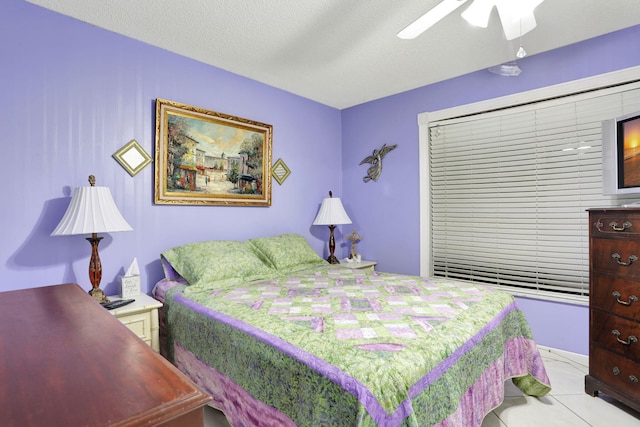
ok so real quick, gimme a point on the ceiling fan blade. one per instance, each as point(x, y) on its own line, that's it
point(427, 20)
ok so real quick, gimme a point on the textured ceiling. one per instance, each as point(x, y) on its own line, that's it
point(341, 52)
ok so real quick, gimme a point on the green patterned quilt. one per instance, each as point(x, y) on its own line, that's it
point(335, 346)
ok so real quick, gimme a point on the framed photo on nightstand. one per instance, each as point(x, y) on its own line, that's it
point(129, 286)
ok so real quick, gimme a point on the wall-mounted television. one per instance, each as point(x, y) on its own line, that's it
point(621, 155)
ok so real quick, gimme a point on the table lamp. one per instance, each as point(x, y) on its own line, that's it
point(332, 213)
point(91, 211)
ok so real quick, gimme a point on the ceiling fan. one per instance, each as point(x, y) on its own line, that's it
point(516, 16)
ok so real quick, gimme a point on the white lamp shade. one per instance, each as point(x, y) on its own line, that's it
point(331, 213)
point(92, 210)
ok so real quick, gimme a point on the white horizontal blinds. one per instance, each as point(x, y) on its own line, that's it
point(510, 189)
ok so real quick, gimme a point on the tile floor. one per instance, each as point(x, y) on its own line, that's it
point(567, 405)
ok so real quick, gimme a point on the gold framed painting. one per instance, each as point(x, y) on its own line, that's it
point(208, 158)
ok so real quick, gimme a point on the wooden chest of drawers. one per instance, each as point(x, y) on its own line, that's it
point(614, 305)
point(66, 361)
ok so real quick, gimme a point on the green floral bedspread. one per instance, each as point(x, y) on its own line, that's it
point(336, 345)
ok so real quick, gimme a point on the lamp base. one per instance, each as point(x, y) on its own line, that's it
point(332, 246)
point(332, 259)
point(98, 295)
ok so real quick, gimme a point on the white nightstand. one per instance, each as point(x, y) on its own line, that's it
point(141, 316)
point(362, 265)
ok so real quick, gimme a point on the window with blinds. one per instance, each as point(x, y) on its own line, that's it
point(509, 191)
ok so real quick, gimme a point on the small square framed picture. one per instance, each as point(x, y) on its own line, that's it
point(280, 171)
point(132, 157)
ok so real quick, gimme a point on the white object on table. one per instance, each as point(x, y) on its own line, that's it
point(130, 282)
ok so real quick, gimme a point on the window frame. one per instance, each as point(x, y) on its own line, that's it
point(577, 87)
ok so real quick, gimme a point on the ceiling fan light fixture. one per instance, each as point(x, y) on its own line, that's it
point(479, 12)
point(517, 16)
point(515, 10)
point(430, 18)
point(514, 28)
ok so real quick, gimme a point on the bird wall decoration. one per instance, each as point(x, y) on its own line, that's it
point(374, 171)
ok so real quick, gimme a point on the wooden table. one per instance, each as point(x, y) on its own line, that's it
point(66, 361)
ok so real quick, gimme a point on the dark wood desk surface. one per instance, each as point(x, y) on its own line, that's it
point(66, 361)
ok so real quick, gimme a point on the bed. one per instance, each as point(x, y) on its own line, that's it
point(279, 337)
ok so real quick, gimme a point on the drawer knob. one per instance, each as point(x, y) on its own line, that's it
point(614, 226)
point(629, 340)
point(633, 378)
point(617, 257)
point(616, 370)
point(617, 296)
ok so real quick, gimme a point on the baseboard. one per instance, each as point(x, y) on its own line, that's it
point(582, 359)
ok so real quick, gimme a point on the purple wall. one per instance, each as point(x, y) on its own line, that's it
point(386, 212)
point(73, 94)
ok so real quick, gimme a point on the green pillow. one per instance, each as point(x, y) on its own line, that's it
point(216, 260)
point(286, 252)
